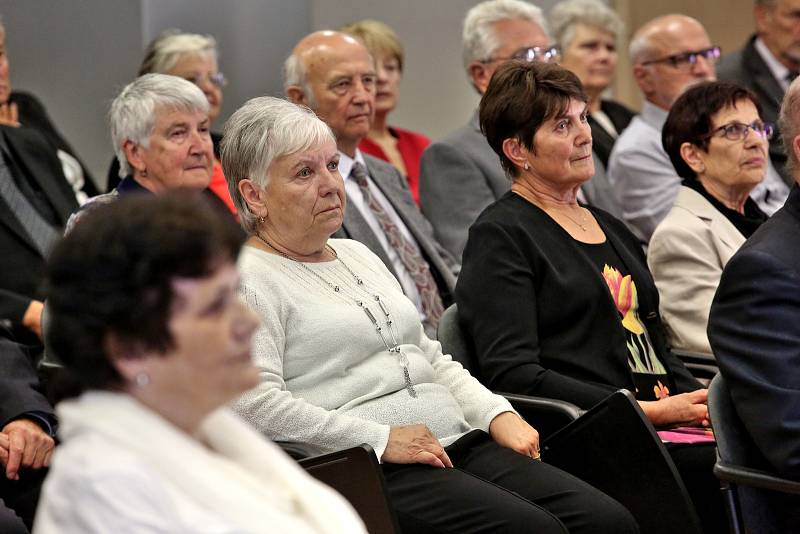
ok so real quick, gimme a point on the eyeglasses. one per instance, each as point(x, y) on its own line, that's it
point(530, 54)
point(736, 131)
point(688, 59)
point(217, 79)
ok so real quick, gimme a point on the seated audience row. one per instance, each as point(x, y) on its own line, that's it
point(369, 373)
point(192, 57)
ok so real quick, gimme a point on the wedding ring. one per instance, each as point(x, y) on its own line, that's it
point(537, 457)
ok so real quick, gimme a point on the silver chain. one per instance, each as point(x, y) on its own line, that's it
point(394, 346)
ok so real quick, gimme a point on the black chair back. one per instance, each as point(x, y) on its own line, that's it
point(357, 476)
point(756, 499)
point(614, 447)
point(546, 415)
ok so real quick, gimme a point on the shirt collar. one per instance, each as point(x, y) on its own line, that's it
point(130, 185)
point(778, 69)
point(346, 163)
point(653, 115)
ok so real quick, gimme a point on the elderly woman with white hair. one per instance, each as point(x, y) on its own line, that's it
point(193, 57)
point(587, 33)
point(344, 358)
point(160, 131)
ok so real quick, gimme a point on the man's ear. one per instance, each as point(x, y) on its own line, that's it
point(253, 196)
point(796, 147)
point(514, 151)
point(694, 157)
point(296, 94)
point(643, 78)
point(479, 75)
point(133, 153)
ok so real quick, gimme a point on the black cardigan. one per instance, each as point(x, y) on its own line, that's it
point(540, 314)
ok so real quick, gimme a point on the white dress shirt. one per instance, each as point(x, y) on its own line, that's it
point(355, 199)
point(778, 69)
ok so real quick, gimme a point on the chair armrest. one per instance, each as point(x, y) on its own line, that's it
point(298, 451)
point(756, 478)
point(546, 415)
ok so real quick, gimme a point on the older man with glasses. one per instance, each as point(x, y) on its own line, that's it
point(768, 63)
point(461, 175)
point(669, 54)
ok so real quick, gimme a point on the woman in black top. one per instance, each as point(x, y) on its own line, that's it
point(557, 296)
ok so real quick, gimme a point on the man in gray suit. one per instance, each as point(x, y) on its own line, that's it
point(334, 75)
point(767, 64)
point(461, 174)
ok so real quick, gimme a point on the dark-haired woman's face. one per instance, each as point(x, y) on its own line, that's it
point(562, 147)
point(210, 363)
point(735, 164)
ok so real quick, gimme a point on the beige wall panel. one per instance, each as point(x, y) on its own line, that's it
point(728, 22)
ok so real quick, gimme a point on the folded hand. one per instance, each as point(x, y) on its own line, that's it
point(414, 444)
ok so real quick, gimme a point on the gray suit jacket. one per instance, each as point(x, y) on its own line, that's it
point(395, 187)
point(461, 175)
point(747, 68)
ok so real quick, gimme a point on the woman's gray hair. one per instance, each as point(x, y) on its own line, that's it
point(479, 41)
point(164, 51)
point(565, 16)
point(262, 130)
point(133, 113)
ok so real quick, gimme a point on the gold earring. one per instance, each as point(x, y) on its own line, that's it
point(526, 166)
point(261, 219)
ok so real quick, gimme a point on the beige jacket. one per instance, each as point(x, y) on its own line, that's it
point(687, 253)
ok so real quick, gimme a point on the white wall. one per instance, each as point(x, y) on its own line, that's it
point(435, 96)
point(75, 55)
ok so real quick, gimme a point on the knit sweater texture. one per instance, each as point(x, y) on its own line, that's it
point(328, 379)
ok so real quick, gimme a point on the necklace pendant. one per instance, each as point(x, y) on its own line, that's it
point(409, 385)
point(336, 288)
point(359, 281)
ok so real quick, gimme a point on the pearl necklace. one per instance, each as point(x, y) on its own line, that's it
point(391, 344)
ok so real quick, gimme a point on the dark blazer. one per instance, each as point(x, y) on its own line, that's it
point(19, 386)
point(395, 187)
point(754, 330)
point(602, 142)
point(747, 68)
point(540, 314)
point(21, 264)
point(33, 115)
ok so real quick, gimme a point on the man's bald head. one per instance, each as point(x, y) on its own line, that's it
point(334, 75)
point(661, 79)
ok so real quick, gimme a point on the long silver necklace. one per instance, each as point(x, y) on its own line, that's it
point(391, 344)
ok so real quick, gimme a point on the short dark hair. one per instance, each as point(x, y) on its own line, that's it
point(689, 119)
point(113, 274)
point(521, 96)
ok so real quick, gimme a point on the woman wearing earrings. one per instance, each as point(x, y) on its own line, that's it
point(344, 358)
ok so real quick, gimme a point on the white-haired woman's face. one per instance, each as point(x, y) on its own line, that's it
point(179, 153)
point(201, 70)
point(592, 56)
point(305, 200)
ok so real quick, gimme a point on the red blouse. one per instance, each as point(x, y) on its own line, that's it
point(411, 145)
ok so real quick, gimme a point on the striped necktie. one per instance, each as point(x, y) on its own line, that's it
point(38, 229)
point(409, 255)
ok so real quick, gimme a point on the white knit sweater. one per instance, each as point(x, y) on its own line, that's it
point(327, 378)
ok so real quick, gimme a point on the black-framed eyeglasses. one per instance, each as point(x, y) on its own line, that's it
point(736, 131)
point(217, 79)
point(688, 59)
point(530, 53)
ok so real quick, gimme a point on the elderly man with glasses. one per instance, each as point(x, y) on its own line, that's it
point(768, 63)
point(461, 175)
point(669, 54)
